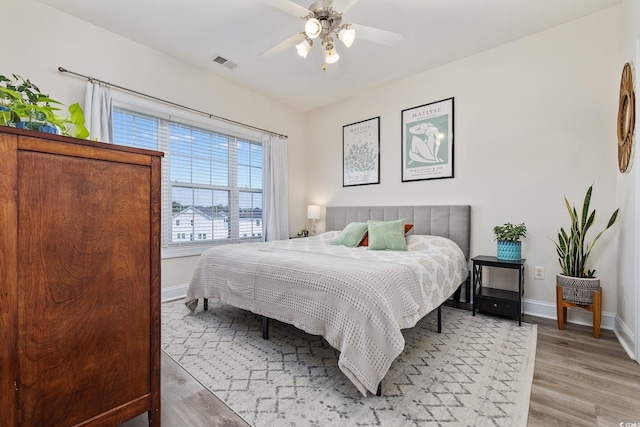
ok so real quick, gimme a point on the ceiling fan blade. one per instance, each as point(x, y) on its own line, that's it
point(341, 6)
point(289, 7)
point(282, 46)
point(377, 35)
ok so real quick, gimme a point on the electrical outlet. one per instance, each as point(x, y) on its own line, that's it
point(538, 272)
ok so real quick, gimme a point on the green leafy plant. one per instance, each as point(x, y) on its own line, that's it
point(509, 232)
point(23, 105)
point(573, 251)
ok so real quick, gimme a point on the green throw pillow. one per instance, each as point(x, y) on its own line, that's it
point(387, 235)
point(352, 234)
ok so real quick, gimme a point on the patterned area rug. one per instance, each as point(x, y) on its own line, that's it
point(477, 372)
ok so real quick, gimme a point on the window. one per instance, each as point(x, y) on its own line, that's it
point(212, 180)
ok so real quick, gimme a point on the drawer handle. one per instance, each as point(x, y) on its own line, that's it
point(495, 305)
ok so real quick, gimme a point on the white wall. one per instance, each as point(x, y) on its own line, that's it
point(90, 50)
point(534, 120)
point(627, 323)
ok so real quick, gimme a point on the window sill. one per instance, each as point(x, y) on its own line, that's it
point(197, 250)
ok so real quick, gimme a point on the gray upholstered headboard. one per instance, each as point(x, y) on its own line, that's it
point(453, 222)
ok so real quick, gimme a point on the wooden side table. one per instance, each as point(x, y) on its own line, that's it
point(497, 301)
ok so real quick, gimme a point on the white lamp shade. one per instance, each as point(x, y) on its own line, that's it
point(331, 55)
point(347, 36)
point(313, 28)
point(304, 47)
point(313, 212)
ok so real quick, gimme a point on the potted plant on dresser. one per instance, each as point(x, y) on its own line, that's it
point(22, 105)
point(509, 244)
point(577, 281)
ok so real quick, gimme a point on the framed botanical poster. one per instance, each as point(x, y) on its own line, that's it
point(361, 153)
point(427, 141)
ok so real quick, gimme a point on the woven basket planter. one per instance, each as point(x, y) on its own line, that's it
point(578, 290)
point(509, 251)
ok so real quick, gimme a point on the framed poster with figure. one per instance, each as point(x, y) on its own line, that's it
point(427, 141)
point(361, 153)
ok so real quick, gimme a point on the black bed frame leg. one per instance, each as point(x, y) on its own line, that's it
point(265, 327)
point(379, 391)
point(205, 302)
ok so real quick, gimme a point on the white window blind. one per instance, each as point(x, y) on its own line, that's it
point(212, 180)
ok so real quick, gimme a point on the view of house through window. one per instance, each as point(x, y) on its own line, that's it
point(213, 181)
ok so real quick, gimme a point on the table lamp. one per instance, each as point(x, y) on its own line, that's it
point(313, 213)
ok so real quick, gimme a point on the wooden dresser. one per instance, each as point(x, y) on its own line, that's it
point(79, 281)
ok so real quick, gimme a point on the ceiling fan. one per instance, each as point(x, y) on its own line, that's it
point(324, 22)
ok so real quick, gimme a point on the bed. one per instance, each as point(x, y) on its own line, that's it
point(358, 299)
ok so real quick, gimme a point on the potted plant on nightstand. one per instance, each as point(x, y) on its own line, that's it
point(509, 244)
point(577, 281)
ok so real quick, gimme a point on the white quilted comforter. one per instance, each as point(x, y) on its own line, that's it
point(357, 299)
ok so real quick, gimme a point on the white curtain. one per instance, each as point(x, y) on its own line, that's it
point(98, 112)
point(276, 211)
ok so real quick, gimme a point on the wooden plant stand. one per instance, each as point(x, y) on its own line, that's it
point(595, 308)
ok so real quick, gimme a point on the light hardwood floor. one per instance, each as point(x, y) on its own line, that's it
point(187, 403)
point(578, 381)
point(582, 381)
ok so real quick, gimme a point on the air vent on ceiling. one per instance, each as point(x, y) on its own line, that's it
point(224, 61)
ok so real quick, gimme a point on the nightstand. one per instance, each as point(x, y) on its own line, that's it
point(497, 301)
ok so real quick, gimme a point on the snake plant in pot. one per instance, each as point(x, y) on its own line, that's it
point(577, 281)
point(509, 244)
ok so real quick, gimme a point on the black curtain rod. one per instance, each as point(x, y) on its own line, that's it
point(184, 107)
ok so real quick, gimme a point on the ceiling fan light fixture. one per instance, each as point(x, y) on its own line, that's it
point(312, 28)
point(323, 22)
point(304, 47)
point(330, 54)
point(347, 36)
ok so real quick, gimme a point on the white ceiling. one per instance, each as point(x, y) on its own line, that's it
point(434, 32)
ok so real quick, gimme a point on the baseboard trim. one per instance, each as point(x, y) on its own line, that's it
point(173, 293)
point(574, 315)
point(625, 336)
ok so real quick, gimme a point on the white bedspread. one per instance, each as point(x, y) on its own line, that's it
point(357, 299)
